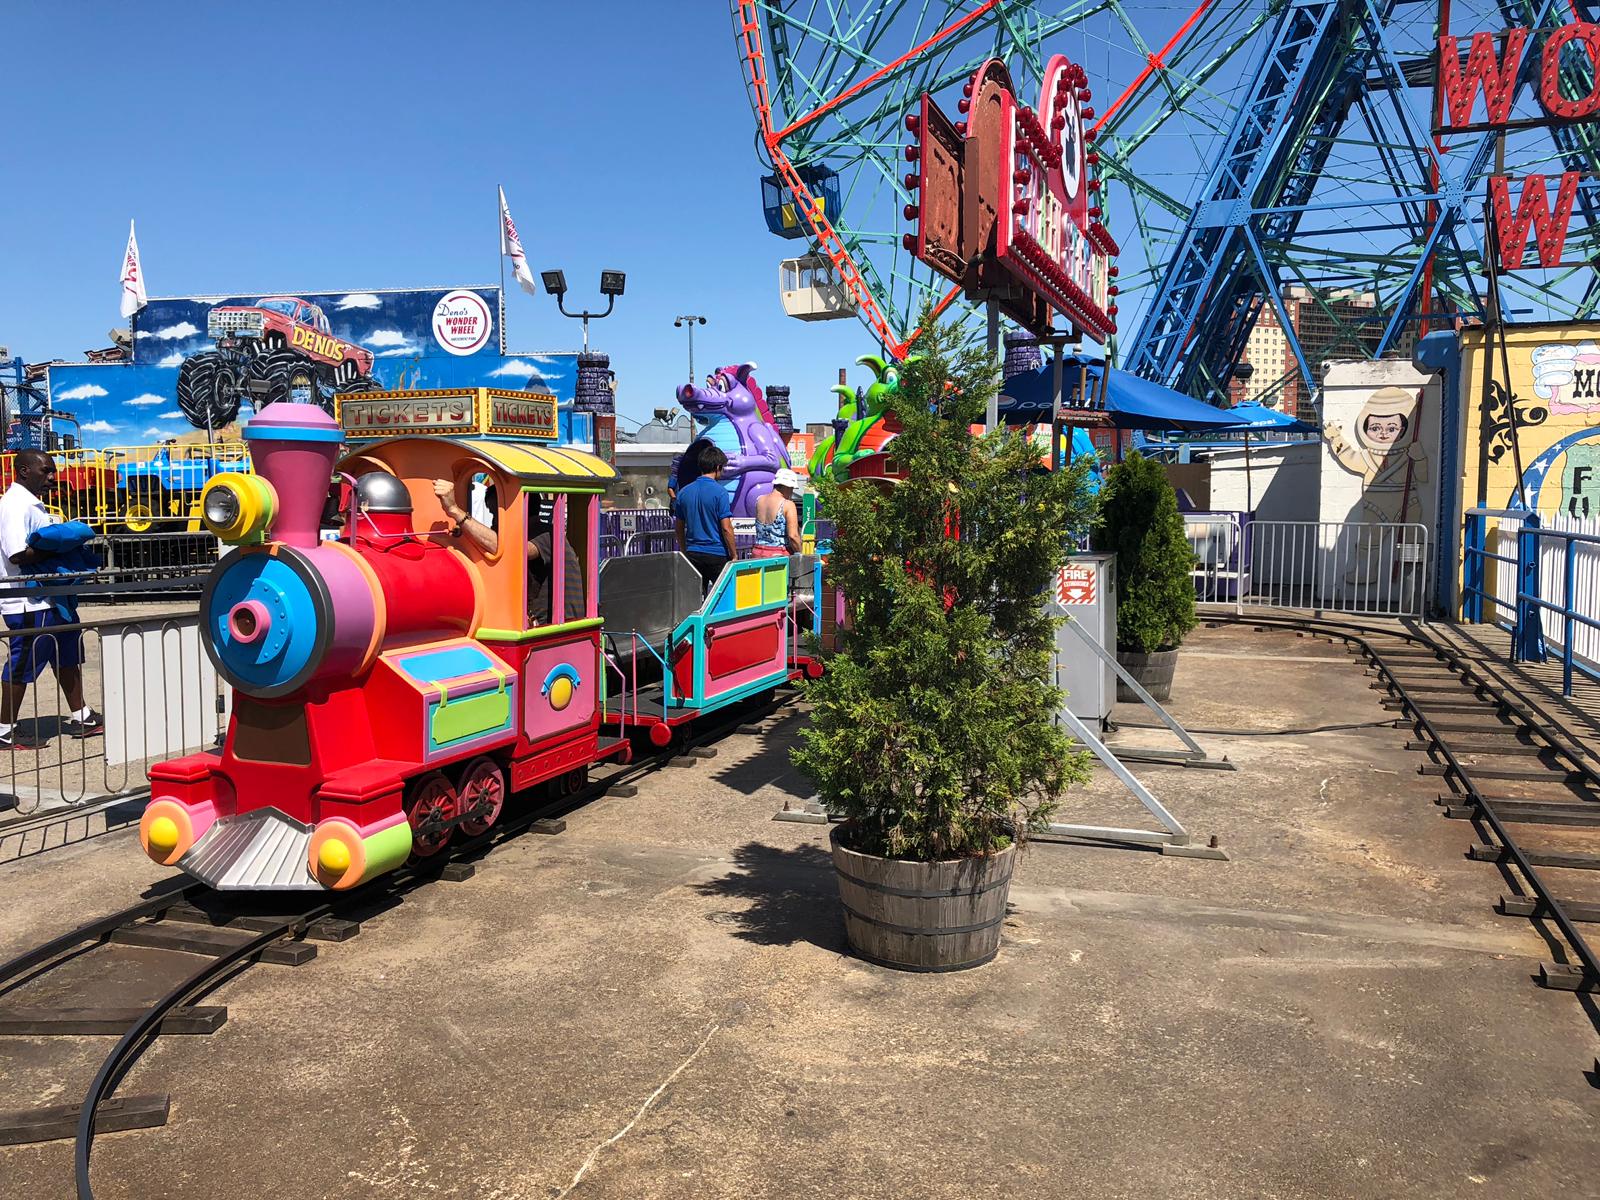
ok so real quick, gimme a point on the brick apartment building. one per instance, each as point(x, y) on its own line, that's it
point(1342, 325)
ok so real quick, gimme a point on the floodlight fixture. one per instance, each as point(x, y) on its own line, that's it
point(691, 320)
point(611, 285)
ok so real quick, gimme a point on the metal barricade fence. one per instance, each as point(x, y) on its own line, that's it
point(1372, 569)
point(152, 681)
point(1220, 569)
point(619, 525)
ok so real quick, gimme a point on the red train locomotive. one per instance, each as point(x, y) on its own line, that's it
point(392, 685)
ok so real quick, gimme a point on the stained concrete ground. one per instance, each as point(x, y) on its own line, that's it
point(659, 1003)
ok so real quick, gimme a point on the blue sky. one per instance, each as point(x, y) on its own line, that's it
point(358, 145)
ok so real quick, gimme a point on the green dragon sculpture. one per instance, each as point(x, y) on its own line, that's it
point(858, 426)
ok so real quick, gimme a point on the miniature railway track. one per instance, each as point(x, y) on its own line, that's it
point(233, 933)
point(1484, 738)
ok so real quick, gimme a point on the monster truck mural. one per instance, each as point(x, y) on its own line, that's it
point(278, 348)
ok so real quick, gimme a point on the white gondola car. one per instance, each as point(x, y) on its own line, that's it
point(811, 291)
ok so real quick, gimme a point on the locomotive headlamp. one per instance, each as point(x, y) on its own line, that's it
point(238, 508)
point(222, 507)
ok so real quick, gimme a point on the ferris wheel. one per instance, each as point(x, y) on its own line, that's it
point(1248, 147)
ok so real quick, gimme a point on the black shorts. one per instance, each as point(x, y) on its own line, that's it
point(709, 565)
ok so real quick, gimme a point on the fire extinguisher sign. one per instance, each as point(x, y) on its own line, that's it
point(1075, 584)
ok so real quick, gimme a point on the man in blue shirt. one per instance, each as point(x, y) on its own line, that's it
point(705, 519)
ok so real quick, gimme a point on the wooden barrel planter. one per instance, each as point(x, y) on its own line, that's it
point(1154, 672)
point(914, 916)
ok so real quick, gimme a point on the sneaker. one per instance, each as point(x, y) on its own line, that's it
point(73, 727)
point(17, 740)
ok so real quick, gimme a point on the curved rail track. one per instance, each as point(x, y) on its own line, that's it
point(281, 932)
point(1484, 737)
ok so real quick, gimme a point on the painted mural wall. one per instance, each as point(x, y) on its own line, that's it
point(396, 339)
point(1379, 470)
point(1554, 388)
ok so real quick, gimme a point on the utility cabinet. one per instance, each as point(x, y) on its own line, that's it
point(1086, 590)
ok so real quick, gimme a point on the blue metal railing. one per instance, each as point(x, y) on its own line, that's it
point(1528, 606)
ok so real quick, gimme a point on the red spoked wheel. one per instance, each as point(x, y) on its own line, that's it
point(573, 781)
point(433, 805)
point(482, 796)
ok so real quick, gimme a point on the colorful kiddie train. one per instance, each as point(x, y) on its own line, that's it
point(393, 684)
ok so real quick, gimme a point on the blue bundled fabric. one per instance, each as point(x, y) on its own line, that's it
point(65, 551)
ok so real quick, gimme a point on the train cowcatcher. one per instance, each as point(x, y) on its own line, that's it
point(394, 684)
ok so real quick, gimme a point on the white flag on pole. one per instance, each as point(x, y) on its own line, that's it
point(511, 247)
point(133, 294)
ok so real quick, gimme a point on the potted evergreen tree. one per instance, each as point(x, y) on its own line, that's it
point(1140, 523)
point(933, 732)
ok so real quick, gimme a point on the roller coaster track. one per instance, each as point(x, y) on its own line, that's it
point(277, 934)
point(1438, 688)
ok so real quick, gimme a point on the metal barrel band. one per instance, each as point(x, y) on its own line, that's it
point(913, 931)
point(916, 969)
point(914, 894)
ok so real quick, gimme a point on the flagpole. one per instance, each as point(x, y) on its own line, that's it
point(500, 220)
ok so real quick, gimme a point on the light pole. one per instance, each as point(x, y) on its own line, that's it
point(691, 322)
point(611, 285)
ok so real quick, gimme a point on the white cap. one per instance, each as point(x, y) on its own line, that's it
point(785, 478)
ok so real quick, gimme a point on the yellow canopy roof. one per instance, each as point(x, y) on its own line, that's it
point(533, 463)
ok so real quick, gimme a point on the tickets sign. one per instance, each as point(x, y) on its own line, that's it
point(453, 412)
point(377, 414)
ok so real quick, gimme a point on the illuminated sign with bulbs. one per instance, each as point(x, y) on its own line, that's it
point(1007, 200)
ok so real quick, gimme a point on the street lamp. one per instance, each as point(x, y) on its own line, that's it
point(611, 286)
point(691, 322)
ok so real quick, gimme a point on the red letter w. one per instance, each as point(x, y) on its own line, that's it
point(1498, 76)
point(1533, 210)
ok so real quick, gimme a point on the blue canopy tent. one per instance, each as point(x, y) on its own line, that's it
point(1258, 418)
point(1130, 402)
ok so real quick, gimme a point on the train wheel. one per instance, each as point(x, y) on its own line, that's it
point(482, 796)
point(574, 781)
point(433, 805)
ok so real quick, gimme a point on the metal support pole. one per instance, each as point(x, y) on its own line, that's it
point(992, 417)
point(1058, 457)
point(1527, 639)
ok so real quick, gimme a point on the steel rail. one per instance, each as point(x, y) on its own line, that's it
point(139, 1034)
point(1359, 635)
point(131, 1043)
point(93, 931)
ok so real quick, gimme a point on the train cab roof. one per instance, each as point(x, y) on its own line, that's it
point(574, 478)
point(532, 464)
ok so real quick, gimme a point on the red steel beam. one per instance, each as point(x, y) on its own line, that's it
point(824, 109)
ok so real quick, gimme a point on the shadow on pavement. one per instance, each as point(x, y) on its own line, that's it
point(792, 897)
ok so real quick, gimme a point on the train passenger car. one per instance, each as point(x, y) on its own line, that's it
point(674, 655)
point(392, 685)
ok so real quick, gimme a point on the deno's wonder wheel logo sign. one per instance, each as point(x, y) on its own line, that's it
point(461, 322)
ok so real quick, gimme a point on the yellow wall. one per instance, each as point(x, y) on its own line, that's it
point(1555, 379)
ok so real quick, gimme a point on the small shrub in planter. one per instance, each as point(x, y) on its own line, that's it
point(933, 732)
point(1140, 523)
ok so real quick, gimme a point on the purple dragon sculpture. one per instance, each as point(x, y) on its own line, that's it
point(735, 418)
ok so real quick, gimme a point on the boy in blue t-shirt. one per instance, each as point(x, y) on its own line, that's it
point(705, 519)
